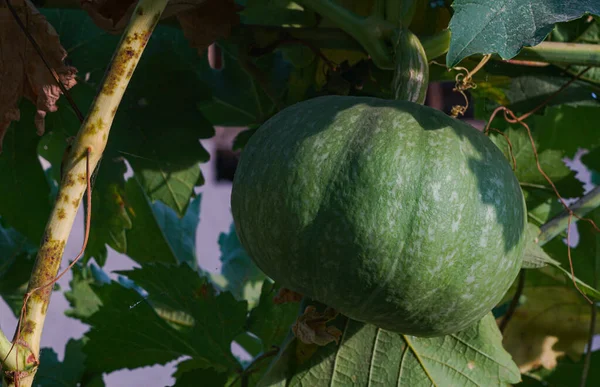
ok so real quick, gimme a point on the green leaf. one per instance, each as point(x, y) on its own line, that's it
point(110, 220)
point(189, 373)
point(83, 300)
point(271, 322)
point(17, 256)
point(506, 26)
point(567, 128)
point(180, 233)
point(238, 99)
point(22, 176)
point(152, 237)
point(70, 372)
point(592, 159)
point(244, 278)
point(368, 355)
point(128, 328)
point(550, 160)
point(242, 138)
point(582, 257)
point(535, 257)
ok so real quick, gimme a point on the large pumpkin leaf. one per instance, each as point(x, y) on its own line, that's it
point(582, 255)
point(25, 193)
point(128, 327)
point(527, 171)
point(17, 255)
point(241, 276)
point(153, 237)
point(269, 321)
point(506, 26)
point(369, 356)
point(82, 298)
point(70, 372)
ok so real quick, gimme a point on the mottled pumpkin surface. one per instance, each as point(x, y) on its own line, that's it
point(391, 212)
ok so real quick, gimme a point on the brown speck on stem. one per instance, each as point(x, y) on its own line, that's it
point(69, 181)
point(75, 203)
point(118, 69)
point(65, 198)
point(47, 235)
point(61, 213)
point(81, 178)
point(28, 326)
point(140, 11)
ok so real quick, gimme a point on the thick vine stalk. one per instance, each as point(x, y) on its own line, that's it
point(560, 222)
point(370, 32)
point(91, 140)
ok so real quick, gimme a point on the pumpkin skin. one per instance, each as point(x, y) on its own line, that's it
point(388, 211)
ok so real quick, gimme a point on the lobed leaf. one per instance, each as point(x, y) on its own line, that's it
point(506, 26)
point(371, 356)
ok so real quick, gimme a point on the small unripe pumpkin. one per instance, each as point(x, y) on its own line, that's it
point(388, 211)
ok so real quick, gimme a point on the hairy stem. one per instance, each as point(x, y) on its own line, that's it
point(560, 222)
point(563, 53)
point(370, 32)
point(91, 139)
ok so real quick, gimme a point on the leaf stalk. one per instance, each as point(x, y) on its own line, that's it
point(370, 32)
point(560, 222)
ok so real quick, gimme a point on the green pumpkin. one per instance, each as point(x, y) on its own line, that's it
point(388, 211)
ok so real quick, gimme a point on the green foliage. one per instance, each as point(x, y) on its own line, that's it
point(243, 278)
point(20, 174)
point(70, 372)
point(504, 27)
point(16, 262)
point(217, 320)
point(144, 203)
point(368, 355)
point(270, 322)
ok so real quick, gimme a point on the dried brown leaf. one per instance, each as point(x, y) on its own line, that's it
point(211, 21)
point(311, 327)
point(286, 295)
point(22, 71)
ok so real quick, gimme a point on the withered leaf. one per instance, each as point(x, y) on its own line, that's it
point(22, 71)
point(311, 327)
point(210, 21)
point(286, 295)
